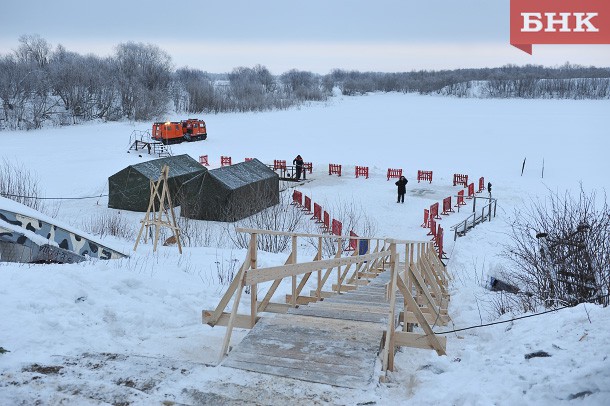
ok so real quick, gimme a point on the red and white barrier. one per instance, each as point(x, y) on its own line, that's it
point(317, 213)
point(426, 222)
point(394, 173)
point(481, 184)
point(438, 241)
point(326, 223)
point(434, 211)
point(279, 164)
point(307, 205)
point(362, 171)
point(447, 206)
point(432, 231)
point(337, 227)
point(225, 161)
point(470, 191)
point(460, 199)
point(353, 242)
point(297, 198)
point(459, 179)
point(248, 159)
point(424, 175)
point(203, 160)
point(307, 166)
point(334, 169)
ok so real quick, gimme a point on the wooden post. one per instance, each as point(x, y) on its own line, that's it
point(294, 277)
point(157, 220)
point(253, 288)
point(388, 349)
point(227, 339)
point(318, 257)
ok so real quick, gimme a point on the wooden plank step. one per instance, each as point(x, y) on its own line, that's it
point(363, 307)
point(299, 350)
point(342, 314)
point(301, 374)
point(334, 352)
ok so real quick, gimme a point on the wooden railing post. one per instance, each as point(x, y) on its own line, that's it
point(319, 257)
point(227, 339)
point(294, 278)
point(339, 252)
point(388, 349)
point(253, 288)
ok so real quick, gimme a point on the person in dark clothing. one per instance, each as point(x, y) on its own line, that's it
point(402, 189)
point(298, 163)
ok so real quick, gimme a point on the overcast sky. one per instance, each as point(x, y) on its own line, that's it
point(315, 35)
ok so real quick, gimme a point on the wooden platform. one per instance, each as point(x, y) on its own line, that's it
point(335, 341)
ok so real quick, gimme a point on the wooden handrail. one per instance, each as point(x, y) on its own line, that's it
point(280, 272)
point(291, 234)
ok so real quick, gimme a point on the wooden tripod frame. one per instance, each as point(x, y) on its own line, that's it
point(159, 218)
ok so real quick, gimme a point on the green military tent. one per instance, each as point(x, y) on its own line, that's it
point(129, 189)
point(231, 193)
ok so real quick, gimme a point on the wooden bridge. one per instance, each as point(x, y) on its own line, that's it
point(336, 336)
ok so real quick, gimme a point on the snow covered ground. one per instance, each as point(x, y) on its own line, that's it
point(129, 331)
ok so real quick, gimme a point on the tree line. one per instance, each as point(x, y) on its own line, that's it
point(41, 85)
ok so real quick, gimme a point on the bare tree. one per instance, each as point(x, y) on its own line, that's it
point(143, 74)
point(33, 50)
point(560, 249)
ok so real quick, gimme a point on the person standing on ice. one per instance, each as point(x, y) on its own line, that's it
point(402, 189)
point(298, 163)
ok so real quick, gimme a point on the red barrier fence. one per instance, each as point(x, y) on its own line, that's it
point(337, 227)
point(307, 166)
point(225, 161)
point(394, 173)
point(432, 227)
point(459, 179)
point(438, 241)
point(434, 211)
point(307, 205)
point(334, 169)
point(481, 184)
point(470, 191)
point(447, 206)
point(248, 159)
point(297, 198)
point(362, 171)
point(426, 222)
point(317, 213)
point(460, 199)
point(326, 225)
point(353, 242)
point(203, 160)
point(424, 175)
point(279, 164)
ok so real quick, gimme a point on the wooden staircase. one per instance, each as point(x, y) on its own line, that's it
point(337, 337)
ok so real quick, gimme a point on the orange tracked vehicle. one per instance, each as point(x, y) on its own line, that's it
point(173, 132)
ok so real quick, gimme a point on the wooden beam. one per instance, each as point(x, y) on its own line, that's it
point(416, 340)
point(277, 308)
point(411, 319)
point(323, 293)
point(344, 288)
point(276, 272)
point(327, 236)
point(421, 320)
point(302, 300)
point(240, 321)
